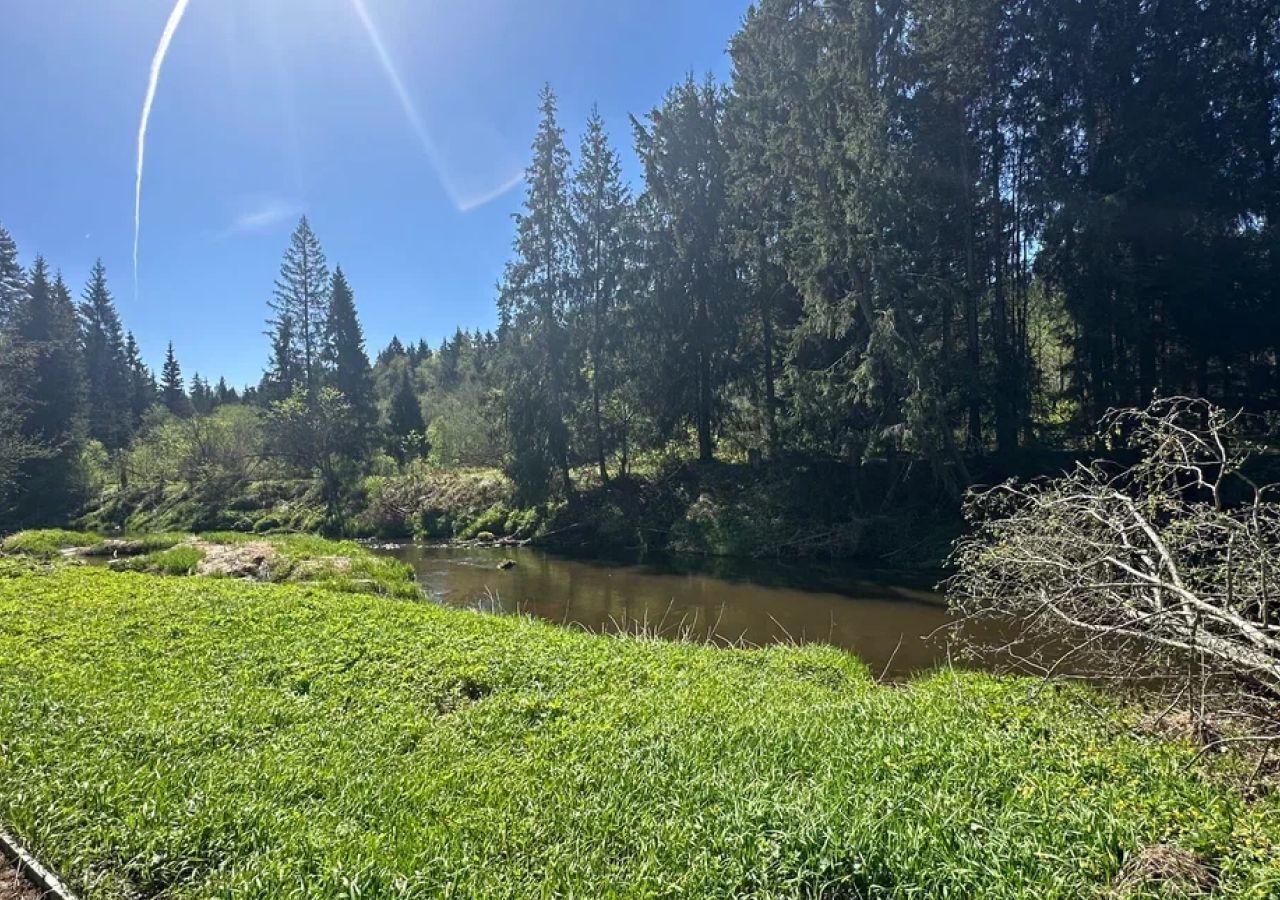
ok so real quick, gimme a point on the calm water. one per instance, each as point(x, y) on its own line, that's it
point(884, 621)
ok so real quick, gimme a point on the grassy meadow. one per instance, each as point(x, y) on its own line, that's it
point(199, 738)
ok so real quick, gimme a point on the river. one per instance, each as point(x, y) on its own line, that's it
point(886, 620)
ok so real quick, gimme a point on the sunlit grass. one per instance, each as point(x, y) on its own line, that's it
point(342, 566)
point(195, 738)
point(48, 542)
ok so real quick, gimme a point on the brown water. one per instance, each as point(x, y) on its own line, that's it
point(887, 621)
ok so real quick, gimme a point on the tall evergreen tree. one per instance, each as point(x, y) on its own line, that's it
point(283, 372)
point(692, 268)
point(142, 382)
point(532, 306)
point(224, 395)
point(344, 354)
point(105, 365)
point(202, 398)
point(604, 252)
point(300, 309)
point(45, 325)
point(173, 393)
point(404, 413)
point(12, 279)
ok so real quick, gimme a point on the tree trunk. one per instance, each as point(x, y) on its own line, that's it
point(706, 448)
point(770, 395)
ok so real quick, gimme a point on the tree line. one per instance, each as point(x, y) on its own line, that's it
point(925, 229)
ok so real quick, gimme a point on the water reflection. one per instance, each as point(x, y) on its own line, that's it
point(884, 621)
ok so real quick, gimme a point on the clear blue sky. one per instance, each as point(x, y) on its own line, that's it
point(269, 108)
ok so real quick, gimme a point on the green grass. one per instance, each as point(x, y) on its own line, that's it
point(194, 738)
point(342, 566)
point(180, 560)
point(48, 542)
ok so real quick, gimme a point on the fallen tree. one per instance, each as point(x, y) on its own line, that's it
point(1171, 559)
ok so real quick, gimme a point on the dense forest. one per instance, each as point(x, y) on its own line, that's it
point(913, 229)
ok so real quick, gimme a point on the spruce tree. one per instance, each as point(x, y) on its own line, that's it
point(105, 366)
point(404, 413)
point(12, 278)
point(532, 308)
point(694, 273)
point(142, 383)
point(283, 371)
point(224, 395)
point(604, 250)
point(390, 352)
point(173, 394)
point(345, 359)
point(202, 400)
point(300, 311)
point(45, 326)
point(48, 321)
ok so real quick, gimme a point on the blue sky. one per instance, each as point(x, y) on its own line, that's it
point(269, 108)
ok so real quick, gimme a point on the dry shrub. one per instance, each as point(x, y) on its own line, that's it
point(1144, 567)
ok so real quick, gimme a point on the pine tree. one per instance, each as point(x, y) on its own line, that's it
point(532, 308)
point(345, 359)
point(404, 414)
point(105, 366)
point(604, 250)
point(173, 394)
point(300, 310)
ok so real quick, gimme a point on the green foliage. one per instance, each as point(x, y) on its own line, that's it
point(433, 503)
point(463, 432)
point(252, 725)
point(318, 435)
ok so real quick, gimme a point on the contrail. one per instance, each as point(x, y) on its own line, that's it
point(157, 62)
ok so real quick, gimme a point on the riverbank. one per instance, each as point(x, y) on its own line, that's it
point(211, 737)
point(341, 566)
point(812, 510)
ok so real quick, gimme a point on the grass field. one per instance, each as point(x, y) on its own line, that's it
point(195, 738)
